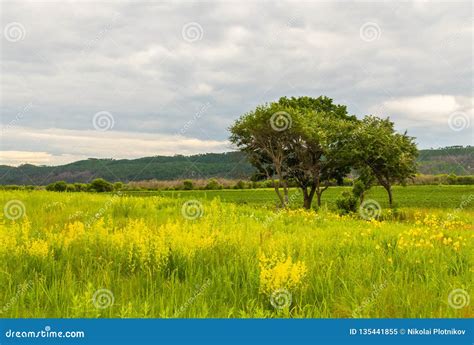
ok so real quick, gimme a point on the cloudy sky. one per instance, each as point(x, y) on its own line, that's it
point(131, 79)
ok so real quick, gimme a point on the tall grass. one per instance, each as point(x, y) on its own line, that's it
point(91, 255)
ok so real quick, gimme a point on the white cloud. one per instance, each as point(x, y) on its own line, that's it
point(64, 146)
point(130, 59)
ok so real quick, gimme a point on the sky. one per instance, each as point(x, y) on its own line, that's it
point(126, 79)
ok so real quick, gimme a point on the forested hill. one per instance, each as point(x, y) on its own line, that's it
point(232, 165)
point(450, 160)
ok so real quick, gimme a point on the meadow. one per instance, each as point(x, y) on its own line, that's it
point(232, 253)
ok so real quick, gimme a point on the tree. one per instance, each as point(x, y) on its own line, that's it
point(302, 139)
point(59, 186)
point(320, 151)
point(263, 134)
point(100, 185)
point(390, 156)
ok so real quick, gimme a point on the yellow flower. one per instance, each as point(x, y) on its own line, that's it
point(277, 272)
point(38, 248)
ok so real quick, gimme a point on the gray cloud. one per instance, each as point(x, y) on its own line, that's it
point(130, 59)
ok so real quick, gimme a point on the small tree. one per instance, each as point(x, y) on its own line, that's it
point(390, 156)
point(363, 183)
point(264, 134)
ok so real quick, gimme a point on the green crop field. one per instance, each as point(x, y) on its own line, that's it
point(411, 196)
point(232, 253)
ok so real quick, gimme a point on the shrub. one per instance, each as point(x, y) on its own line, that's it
point(100, 185)
point(81, 187)
point(188, 185)
point(358, 190)
point(240, 185)
point(346, 203)
point(118, 185)
point(59, 186)
point(213, 184)
point(70, 188)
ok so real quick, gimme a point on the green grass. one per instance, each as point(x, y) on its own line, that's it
point(409, 196)
point(156, 262)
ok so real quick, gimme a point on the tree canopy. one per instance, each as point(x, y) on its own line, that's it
point(314, 142)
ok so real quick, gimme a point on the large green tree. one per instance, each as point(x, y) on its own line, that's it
point(303, 139)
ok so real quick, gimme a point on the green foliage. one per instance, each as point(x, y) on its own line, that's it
point(302, 139)
point(390, 156)
point(213, 184)
point(240, 185)
point(188, 185)
point(100, 185)
point(346, 203)
point(59, 186)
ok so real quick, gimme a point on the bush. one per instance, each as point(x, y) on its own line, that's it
point(188, 185)
point(213, 184)
point(118, 185)
point(358, 189)
point(81, 187)
point(240, 185)
point(59, 186)
point(346, 203)
point(70, 188)
point(100, 185)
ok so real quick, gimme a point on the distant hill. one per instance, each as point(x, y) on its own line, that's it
point(233, 165)
point(454, 159)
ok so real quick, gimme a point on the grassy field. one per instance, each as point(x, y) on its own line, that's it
point(188, 254)
point(410, 196)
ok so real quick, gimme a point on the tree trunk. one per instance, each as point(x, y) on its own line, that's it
point(277, 191)
point(306, 198)
point(388, 188)
point(390, 198)
point(319, 198)
point(285, 192)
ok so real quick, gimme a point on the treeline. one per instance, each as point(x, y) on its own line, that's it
point(101, 185)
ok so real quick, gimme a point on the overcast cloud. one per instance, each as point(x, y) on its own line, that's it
point(130, 79)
